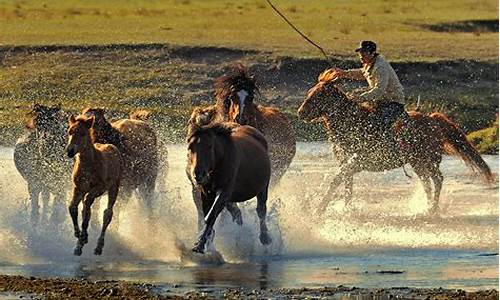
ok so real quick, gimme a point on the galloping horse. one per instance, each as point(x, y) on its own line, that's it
point(235, 95)
point(360, 144)
point(39, 158)
point(230, 163)
point(137, 143)
point(97, 170)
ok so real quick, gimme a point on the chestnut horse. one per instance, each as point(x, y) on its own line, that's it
point(361, 145)
point(137, 143)
point(229, 163)
point(234, 94)
point(97, 170)
point(39, 158)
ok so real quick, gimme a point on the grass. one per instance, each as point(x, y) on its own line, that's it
point(486, 140)
point(125, 79)
point(400, 27)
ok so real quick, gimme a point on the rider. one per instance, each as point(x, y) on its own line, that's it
point(384, 91)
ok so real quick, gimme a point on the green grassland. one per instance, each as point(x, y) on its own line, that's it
point(400, 27)
point(164, 55)
point(486, 140)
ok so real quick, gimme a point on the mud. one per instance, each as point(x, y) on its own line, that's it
point(56, 288)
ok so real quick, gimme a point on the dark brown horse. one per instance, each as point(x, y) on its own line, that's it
point(39, 158)
point(137, 143)
point(235, 95)
point(361, 145)
point(229, 163)
point(97, 169)
point(204, 116)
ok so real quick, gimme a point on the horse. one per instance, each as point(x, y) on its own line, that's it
point(145, 116)
point(137, 143)
point(97, 169)
point(230, 163)
point(39, 158)
point(361, 145)
point(234, 94)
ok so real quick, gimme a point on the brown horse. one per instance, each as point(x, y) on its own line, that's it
point(39, 158)
point(137, 143)
point(361, 145)
point(229, 163)
point(235, 95)
point(97, 170)
point(203, 116)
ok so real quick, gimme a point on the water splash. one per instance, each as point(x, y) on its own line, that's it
point(388, 210)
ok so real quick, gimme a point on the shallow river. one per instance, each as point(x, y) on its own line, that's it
point(383, 239)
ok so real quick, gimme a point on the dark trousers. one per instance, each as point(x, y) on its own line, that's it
point(389, 112)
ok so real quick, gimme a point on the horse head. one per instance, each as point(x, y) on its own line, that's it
point(46, 119)
point(205, 150)
point(234, 94)
point(99, 115)
point(323, 99)
point(79, 136)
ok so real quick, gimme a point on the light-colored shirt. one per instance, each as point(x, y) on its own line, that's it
point(383, 83)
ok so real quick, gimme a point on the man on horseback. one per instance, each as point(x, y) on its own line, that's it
point(384, 91)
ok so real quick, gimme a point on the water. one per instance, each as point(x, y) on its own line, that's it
point(384, 239)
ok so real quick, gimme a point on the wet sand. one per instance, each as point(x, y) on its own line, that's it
point(56, 288)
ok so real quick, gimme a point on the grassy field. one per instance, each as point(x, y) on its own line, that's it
point(405, 30)
point(445, 51)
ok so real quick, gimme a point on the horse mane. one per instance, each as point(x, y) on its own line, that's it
point(204, 115)
point(238, 79)
point(328, 77)
point(102, 131)
point(140, 114)
point(219, 128)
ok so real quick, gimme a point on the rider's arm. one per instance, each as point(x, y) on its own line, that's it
point(356, 74)
point(380, 81)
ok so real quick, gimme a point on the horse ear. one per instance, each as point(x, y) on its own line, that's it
point(30, 124)
point(89, 122)
point(72, 119)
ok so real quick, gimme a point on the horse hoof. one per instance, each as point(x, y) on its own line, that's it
point(265, 239)
point(198, 249)
point(77, 251)
point(77, 234)
point(238, 220)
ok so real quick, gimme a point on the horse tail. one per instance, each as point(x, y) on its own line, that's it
point(456, 143)
point(140, 114)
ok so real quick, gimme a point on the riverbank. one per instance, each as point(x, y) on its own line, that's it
point(170, 80)
point(57, 288)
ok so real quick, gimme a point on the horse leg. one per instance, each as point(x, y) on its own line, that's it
point(348, 182)
point(73, 209)
point(264, 237)
point(211, 210)
point(106, 218)
point(86, 211)
point(235, 212)
point(426, 181)
point(33, 192)
point(199, 207)
point(45, 196)
point(346, 171)
point(437, 178)
point(57, 209)
point(147, 192)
